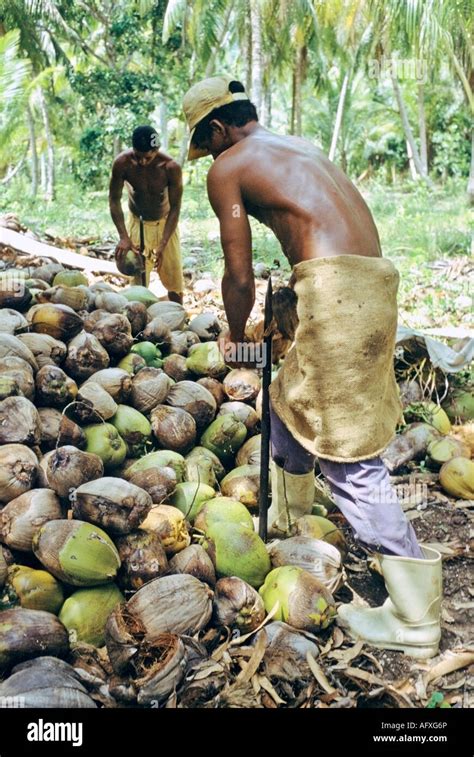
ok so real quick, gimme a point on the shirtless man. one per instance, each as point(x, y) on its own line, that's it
point(325, 228)
point(155, 187)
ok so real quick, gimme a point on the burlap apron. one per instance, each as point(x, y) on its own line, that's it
point(336, 391)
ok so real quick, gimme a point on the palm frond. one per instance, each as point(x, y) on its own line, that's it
point(144, 6)
point(174, 13)
point(13, 70)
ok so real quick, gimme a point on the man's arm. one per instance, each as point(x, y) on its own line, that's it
point(238, 285)
point(115, 196)
point(175, 193)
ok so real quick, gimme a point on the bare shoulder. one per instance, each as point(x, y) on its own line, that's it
point(122, 162)
point(173, 169)
point(226, 168)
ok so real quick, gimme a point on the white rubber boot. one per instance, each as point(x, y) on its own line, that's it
point(409, 620)
point(292, 497)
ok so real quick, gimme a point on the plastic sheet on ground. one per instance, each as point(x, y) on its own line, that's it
point(441, 355)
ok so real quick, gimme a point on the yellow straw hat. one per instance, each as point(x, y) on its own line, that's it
point(201, 99)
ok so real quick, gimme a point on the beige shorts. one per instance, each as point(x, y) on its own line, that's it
point(171, 269)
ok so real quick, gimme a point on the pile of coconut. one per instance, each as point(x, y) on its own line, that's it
point(129, 486)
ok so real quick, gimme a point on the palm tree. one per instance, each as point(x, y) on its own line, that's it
point(348, 37)
point(14, 73)
point(202, 27)
point(430, 29)
point(36, 21)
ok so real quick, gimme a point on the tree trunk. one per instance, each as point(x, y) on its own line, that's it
point(299, 76)
point(50, 171)
point(267, 106)
point(43, 173)
point(257, 54)
point(344, 159)
point(464, 80)
point(470, 185)
point(411, 163)
point(163, 123)
point(33, 150)
point(117, 145)
point(339, 115)
point(247, 54)
point(422, 129)
point(293, 103)
point(13, 172)
point(183, 152)
point(407, 129)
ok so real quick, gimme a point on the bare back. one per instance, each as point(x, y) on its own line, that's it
point(293, 188)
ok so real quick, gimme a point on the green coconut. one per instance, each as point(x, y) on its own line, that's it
point(236, 550)
point(132, 363)
point(205, 359)
point(86, 611)
point(302, 600)
point(149, 352)
point(189, 496)
point(162, 458)
point(224, 436)
point(222, 510)
point(76, 552)
point(139, 294)
point(133, 428)
point(457, 477)
point(201, 471)
point(202, 453)
point(460, 406)
point(104, 440)
point(36, 589)
point(442, 450)
point(429, 412)
point(243, 484)
point(72, 278)
point(321, 528)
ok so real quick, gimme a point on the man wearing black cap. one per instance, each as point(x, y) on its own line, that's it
point(155, 187)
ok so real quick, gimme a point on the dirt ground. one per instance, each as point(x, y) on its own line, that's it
point(448, 525)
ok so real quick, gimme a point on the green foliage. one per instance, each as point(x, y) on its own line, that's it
point(106, 67)
point(437, 700)
point(115, 103)
point(452, 148)
point(13, 85)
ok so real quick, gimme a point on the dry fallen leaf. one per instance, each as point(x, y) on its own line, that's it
point(320, 676)
point(346, 655)
point(363, 675)
point(252, 666)
point(453, 661)
point(265, 684)
point(446, 616)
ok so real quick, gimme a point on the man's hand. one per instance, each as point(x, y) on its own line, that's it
point(125, 245)
point(237, 354)
point(159, 257)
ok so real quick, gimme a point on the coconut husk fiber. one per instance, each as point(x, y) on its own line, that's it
point(336, 391)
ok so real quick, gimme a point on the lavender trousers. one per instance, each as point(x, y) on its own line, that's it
point(362, 492)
